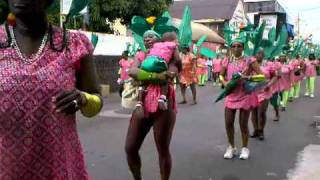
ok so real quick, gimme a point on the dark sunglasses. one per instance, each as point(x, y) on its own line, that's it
point(237, 46)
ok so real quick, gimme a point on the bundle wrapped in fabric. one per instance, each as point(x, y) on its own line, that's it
point(255, 83)
point(234, 82)
point(251, 86)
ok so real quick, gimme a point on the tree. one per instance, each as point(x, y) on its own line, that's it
point(104, 11)
point(3, 11)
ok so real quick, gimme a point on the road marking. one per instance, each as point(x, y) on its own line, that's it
point(112, 113)
point(308, 164)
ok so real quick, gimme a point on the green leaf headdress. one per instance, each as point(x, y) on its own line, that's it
point(185, 30)
point(139, 26)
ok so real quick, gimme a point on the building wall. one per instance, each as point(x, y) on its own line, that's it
point(263, 6)
point(107, 69)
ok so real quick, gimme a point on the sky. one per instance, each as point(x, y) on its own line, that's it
point(309, 11)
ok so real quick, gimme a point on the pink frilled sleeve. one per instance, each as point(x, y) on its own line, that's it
point(80, 47)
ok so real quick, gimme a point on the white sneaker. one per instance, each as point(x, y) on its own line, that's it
point(230, 153)
point(296, 97)
point(245, 153)
point(306, 94)
point(312, 95)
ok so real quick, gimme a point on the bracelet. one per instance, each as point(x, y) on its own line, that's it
point(139, 104)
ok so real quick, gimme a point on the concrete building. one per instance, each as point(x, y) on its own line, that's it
point(213, 13)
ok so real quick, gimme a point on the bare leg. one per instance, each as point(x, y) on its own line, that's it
point(137, 131)
point(229, 122)
point(262, 118)
point(254, 119)
point(244, 117)
point(163, 128)
point(194, 93)
point(183, 88)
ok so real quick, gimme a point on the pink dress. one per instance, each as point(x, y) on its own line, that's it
point(295, 66)
point(125, 65)
point(163, 50)
point(239, 99)
point(217, 66)
point(311, 68)
point(37, 143)
point(268, 72)
point(285, 81)
point(202, 68)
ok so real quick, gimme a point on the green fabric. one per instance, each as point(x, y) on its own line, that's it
point(291, 92)
point(94, 40)
point(297, 88)
point(310, 85)
point(208, 53)
point(274, 101)
point(227, 34)
point(154, 64)
point(185, 30)
point(281, 42)
point(285, 97)
point(232, 84)
point(202, 79)
point(199, 44)
point(77, 6)
point(152, 32)
point(139, 40)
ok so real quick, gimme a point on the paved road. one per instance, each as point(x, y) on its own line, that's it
point(291, 147)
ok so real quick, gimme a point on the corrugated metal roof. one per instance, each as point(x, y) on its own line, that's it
point(205, 9)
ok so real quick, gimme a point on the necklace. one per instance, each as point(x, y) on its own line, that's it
point(33, 57)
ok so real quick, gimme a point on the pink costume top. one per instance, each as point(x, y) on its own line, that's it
point(277, 68)
point(311, 68)
point(239, 99)
point(153, 93)
point(295, 66)
point(285, 81)
point(202, 68)
point(36, 142)
point(188, 74)
point(269, 72)
point(217, 66)
point(125, 65)
point(163, 50)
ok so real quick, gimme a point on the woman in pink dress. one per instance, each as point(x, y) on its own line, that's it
point(147, 115)
point(125, 63)
point(286, 81)
point(44, 72)
point(202, 70)
point(216, 69)
point(311, 74)
point(275, 99)
point(259, 114)
point(297, 76)
point(238, 100)
point(188, 75)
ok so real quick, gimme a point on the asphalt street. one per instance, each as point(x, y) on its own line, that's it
point(199, 142)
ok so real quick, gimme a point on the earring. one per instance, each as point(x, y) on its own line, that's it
point(11, 19)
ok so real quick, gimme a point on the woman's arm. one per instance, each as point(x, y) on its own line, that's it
point(86, 96)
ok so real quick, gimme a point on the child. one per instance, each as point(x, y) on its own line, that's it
point(157, 61)
point(124, 64)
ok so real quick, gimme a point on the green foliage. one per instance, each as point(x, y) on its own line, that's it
point(100, 10)
point(3, 11)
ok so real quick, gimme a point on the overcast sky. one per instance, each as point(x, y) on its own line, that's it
point(309, 11)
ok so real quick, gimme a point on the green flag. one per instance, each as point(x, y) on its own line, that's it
point(94, 40)
point(77, 6)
